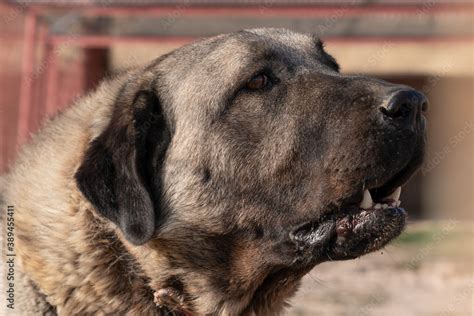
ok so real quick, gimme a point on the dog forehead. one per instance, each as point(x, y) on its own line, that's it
point(206, 70)
point(230, 52)
point(300, 52)
point(280, 44)
point(279, 37)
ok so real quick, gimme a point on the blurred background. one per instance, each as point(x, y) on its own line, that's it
point(51, 52)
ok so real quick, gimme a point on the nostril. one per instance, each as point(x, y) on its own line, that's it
point(397, 109)
point(424, 106)
point(400, 111)
point(404, 104)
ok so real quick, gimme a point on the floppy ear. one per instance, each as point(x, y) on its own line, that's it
point(120, 172)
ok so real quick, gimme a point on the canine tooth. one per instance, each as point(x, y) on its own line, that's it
point(367, 200)
point(385, 205)
point(399, 203)
point(378, 206)
point(396, 194)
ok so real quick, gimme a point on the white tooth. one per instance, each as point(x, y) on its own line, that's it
point(367, 200)
point(385, 205)
point(378, 206)
point(396, 194)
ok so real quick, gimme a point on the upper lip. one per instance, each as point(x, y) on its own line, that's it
point(398, 180)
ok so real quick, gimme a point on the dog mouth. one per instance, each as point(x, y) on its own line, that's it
point(366, 227)
point(353, 230)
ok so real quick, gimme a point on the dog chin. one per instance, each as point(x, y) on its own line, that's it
point(353, 230)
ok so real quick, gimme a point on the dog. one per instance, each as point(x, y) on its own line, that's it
point(210, 181)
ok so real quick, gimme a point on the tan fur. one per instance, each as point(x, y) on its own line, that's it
point(62, 248)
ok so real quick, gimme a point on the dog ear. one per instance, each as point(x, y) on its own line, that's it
point(121, 170)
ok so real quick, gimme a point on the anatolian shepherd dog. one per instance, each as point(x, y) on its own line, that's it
point(209, 181)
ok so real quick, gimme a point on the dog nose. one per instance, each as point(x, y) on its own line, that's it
point(405, 106)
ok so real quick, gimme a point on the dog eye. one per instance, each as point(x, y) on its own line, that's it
point(259, 81)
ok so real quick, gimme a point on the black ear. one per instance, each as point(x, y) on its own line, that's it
point(120, 172)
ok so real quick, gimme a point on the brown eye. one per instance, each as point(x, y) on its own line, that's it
point(258, 82)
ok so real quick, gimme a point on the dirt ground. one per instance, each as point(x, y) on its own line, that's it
point(428, 270)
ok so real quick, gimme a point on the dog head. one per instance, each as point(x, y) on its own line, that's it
point(232, 166)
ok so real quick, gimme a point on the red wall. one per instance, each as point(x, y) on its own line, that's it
point(78, 70)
